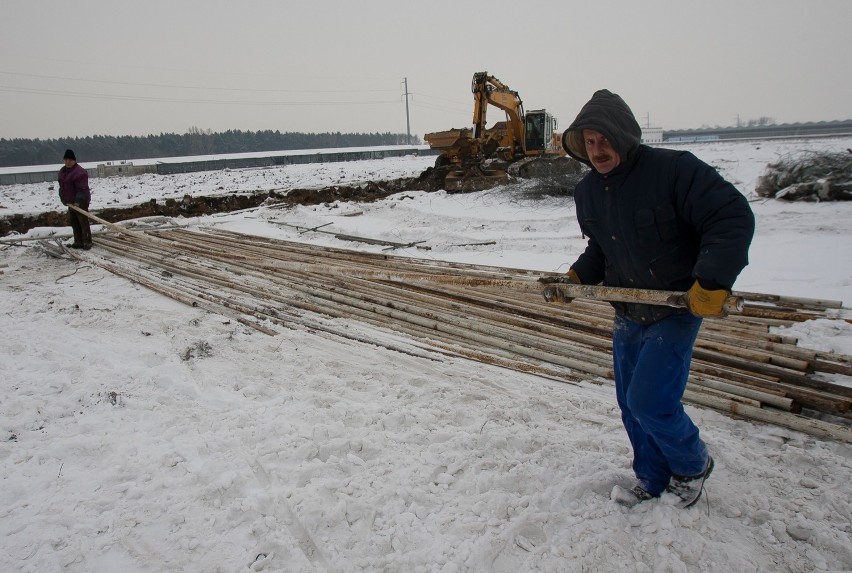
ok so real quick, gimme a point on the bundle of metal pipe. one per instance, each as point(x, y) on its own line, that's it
point(492, 314)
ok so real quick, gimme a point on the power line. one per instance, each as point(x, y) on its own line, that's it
point(218, 72)
point(452, 101)
point(64, 93)
point(439, 108)
point(185, 87)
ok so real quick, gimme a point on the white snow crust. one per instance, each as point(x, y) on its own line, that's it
point(141, 435)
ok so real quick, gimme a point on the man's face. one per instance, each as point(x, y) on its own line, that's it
point(601, 154)
point(69, 163)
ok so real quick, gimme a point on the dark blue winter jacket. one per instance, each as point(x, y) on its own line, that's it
point(660, 220)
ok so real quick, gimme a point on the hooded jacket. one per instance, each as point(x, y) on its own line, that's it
point(605, 113)
point(660, 220)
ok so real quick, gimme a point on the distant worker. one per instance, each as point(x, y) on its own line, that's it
point(655, 219)
point(74, 190)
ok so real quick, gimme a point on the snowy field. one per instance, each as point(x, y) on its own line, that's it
point(141, 435)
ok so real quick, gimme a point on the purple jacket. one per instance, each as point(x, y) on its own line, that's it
point(74, 185)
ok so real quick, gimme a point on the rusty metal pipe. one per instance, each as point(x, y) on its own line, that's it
point(733, 304)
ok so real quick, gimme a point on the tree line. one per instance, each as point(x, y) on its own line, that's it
point(15, 152)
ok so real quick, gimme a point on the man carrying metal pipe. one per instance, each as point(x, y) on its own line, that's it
point(662, 220)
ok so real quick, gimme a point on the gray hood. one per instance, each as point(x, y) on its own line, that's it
point(606, 113)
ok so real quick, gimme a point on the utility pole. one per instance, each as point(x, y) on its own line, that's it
point(407, 120)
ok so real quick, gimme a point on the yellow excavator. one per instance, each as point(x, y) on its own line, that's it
point(525, 145)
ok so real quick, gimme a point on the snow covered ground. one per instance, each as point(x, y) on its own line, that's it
point(141, 435)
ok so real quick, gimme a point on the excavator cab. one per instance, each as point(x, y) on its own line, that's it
point(539, 127)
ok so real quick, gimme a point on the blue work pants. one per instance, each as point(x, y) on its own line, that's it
point(651, 368)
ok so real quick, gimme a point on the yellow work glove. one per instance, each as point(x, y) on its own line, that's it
point(706, 303)
point(553, 293)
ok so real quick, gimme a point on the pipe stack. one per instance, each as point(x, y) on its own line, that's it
point(490, 314)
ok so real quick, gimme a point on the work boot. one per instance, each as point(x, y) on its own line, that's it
point(689, 488)
point(87, 246)
point(76, 245)
point(630, 497)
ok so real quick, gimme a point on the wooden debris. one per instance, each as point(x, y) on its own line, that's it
point(354, 238)
point(811, 176)
point(484, 313)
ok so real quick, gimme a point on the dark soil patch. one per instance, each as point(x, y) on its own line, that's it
point(208, 205)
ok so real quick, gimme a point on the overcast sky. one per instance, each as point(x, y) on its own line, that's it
point(90, 67)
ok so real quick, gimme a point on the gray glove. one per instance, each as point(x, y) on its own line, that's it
point(553, 293)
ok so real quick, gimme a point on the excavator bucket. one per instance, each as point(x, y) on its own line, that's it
point(547, 166)
point(446, 139)
point(474, 178)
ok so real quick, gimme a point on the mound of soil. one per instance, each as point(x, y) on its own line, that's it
point(210, 204)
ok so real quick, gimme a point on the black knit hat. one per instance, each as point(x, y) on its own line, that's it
point(69, 155)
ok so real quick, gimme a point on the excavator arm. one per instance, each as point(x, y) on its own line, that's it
point(488, 90)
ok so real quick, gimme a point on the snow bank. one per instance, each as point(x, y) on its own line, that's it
point(138, 434)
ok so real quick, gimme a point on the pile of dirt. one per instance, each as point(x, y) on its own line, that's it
point(201, 205)
point(808, 177)
point(198, 206)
